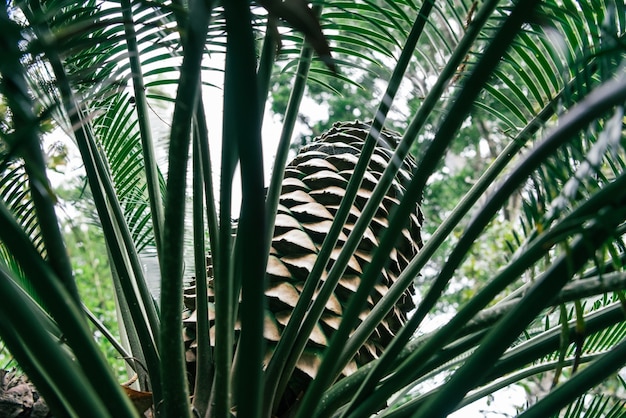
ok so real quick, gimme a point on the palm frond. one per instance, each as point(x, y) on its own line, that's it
point(560, 58)
point(593, 406)
point(119, 136)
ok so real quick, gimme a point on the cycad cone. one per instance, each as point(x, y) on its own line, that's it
point(312, 189)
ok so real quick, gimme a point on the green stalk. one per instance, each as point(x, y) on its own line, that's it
point(406, 410)
point(412, 366)
point(223, 282)
point(43, 381)
point(173, 378)
point(443, 231)
point(266, 63)
point(141, 105)
point(241, 88)
point(473, 195)
point(289, 122)
point(548, 342)
point(456, 114)
point(224, 303)
point(122, 252)
point(382, 307)
point(24, 356)
point(300, 317)
point(448, 127)
point(14, 87)
point(579, 289)
point(519, 376)
point(560, 272)
point(67, 315)
point(278, 360)
point(458, 110)
point(98, 179)
point(514, 323)
point(343, 393)
point(204, 353)
point(56, 373)
point(129, 334)
point(528, 352)
point(207, 174)
point(71, 320)
point(127, 253)
point(108, 335)
point(565, 337)
point(202, 385)
point(590, 108)
point(523, 354)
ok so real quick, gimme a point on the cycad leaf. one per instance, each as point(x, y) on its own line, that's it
point(118, 133)
point(15, 195)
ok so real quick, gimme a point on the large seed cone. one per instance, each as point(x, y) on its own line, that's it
point(313, 186)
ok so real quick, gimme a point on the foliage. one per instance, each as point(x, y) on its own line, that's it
point(542, 82)
point(91, 268)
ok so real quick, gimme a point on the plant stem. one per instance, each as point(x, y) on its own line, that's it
point(240, 86)
point(173, 376)
point(27, 144)
point(141, 105)
point(329, 369)
point(277, 362)
point(204, 375)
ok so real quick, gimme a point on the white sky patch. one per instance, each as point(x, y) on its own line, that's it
point(270, 136)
